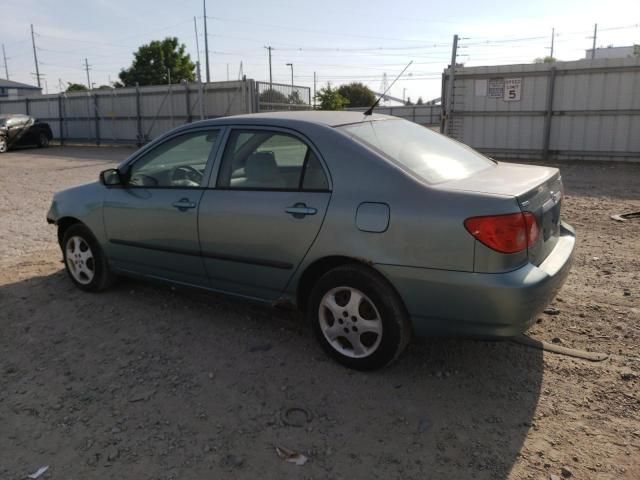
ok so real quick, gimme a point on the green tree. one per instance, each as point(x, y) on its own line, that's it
point(76, 87)
point(420, 101)
point(408, 102)
point(546, 59)
point(330, 99)
point(358, 94)
point(153, 62)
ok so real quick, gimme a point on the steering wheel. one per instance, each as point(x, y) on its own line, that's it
point(186, 176)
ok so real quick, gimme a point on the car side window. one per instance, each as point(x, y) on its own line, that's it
point(179, 162)
point(267, 160)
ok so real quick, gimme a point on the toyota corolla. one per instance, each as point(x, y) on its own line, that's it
point(376, 227)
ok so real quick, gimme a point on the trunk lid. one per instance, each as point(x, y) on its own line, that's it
point(537, 190)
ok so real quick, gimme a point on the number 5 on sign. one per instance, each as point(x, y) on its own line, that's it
point(512, 89)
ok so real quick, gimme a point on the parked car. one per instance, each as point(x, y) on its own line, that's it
point(376, 227)
point(18, 130)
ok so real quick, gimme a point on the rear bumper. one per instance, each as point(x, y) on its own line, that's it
point(442, 302)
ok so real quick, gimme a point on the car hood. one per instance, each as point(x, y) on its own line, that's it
point(510, 179)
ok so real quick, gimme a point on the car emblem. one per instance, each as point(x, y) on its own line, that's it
point(555, 196)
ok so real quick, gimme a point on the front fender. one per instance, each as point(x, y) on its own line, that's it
point(82, 203)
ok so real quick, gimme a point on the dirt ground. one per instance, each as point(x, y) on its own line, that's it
point(146, 381)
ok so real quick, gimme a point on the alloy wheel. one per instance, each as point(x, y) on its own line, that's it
point(80, 260)
point(350, 322)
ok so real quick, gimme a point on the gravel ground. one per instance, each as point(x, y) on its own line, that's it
point(147, 381)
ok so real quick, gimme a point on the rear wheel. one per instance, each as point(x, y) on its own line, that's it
point(43, 140)
point(358, 318)
point(84, 260)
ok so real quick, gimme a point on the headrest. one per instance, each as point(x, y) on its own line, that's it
point(261, 165)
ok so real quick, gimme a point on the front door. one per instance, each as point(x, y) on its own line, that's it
point(152, 221)
point(264, 213)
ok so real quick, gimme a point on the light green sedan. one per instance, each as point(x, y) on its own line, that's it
point(376, 227)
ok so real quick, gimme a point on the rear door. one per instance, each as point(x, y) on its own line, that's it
point(263, 213)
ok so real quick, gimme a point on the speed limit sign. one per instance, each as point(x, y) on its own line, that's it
point(512, 89)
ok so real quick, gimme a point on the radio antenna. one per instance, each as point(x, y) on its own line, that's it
point(375, 104)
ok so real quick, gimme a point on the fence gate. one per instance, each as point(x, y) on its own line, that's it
point(278, 96)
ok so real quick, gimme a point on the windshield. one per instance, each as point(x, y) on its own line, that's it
point(433, 157)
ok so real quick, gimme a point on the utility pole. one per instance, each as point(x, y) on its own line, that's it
point(314, 90)
point(86, 67)
point(404, 92)
point(195, 27)
point(206, 41)
point(595, 35)
point(270, 74)
point(6, 68)
point(452, 69)
point(553, 37)
point(35, 55)
point(227, 72)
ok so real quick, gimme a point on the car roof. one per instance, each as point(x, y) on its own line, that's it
point(328, 118)
point(9, 115)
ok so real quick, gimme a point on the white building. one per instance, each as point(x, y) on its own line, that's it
point(12, 90)
point(614, 52)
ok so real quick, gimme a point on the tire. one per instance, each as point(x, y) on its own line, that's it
point(365, 335)
point(43, 140)
point(84, 260)
point(3, 145)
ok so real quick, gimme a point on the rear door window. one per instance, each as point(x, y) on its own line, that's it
point(268, 160)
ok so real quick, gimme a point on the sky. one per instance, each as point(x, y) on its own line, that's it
point(341, 40)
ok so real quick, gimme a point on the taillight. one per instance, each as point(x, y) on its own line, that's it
point(510, 233)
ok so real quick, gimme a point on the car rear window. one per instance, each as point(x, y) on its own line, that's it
point(433, 157)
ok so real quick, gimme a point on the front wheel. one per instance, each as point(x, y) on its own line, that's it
point(3, 145)
point(84, 260)
point(358, 318)
point(43, 140)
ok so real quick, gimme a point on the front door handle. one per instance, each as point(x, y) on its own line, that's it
point(184, 204)
point(300, 210)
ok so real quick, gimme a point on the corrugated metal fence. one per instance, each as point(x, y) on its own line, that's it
point(427, 115)
point(588, 109)
point(137, 115)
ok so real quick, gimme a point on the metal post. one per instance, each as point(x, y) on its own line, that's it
point(449, 97)
point(35, 55)
point(270, 74)
point(314, 90)
point(97, 117)
point(553, 37)
point(549, 114)
point(206, 41)
point(61, 118)
point(200, 94)
point(187, 101)
point(291, 65)
point(170, 96)
point(6, 67)
point(595, 35)
point(138, 117)
point(26, 106)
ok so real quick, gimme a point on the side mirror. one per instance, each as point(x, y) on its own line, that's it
point(110, 177)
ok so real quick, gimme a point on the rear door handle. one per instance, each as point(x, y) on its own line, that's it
point(184, 204)
point(300, 210)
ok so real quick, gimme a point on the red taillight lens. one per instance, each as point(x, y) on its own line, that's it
point(510, 233)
